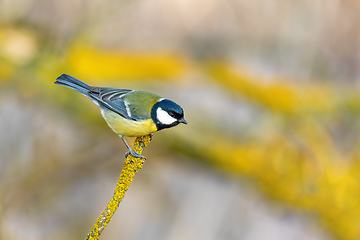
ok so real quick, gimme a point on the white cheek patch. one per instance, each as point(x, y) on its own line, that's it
point(164, 117)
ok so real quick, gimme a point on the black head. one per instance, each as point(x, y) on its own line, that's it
point(166, 114)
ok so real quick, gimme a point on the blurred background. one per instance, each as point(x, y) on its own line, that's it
point(270, 90)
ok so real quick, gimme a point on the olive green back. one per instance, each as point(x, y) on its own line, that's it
point(141, 103)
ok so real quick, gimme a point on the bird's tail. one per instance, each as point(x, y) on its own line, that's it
point(73, 83)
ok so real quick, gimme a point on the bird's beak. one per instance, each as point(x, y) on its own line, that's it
point(182, 120)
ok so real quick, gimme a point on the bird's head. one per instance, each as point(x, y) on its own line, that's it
point(166, 114)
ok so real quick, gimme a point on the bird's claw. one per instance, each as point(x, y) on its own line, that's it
point(134, 154)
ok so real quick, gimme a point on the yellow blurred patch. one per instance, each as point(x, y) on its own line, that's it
point(18, 46)
point(90, 63)
point(277, 95)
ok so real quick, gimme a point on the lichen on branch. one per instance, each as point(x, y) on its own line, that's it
point(131, 166)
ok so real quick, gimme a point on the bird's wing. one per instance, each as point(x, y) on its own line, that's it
point(113, 99)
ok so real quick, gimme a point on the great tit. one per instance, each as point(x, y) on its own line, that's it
point(128, 112)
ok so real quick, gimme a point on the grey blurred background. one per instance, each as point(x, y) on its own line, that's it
point(270, 90)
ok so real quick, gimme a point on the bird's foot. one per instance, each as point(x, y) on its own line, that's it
point(134, 154)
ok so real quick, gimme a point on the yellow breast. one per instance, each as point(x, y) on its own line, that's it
point(127, 127)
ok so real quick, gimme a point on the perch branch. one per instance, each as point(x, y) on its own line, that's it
point(131, 166)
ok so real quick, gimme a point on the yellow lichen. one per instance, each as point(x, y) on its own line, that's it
point(131, 165)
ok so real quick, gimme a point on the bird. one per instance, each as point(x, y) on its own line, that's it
point(128, 112)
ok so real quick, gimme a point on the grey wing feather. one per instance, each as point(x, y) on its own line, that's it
point(113, 99)
point(111, 94)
